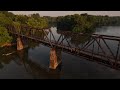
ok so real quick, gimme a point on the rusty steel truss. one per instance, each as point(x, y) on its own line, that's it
point(103, 49)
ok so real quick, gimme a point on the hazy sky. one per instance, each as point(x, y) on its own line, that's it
point(62, 13)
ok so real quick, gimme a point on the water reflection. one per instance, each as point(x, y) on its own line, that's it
point(6, 57)
point(33, 62)
point(35, 69)
point(75, 39)
point(38, 70)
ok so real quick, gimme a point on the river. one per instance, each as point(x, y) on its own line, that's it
point(33, 63)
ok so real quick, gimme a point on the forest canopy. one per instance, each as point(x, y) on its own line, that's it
point(9, 19)
point(85, 23)
point(77, 23)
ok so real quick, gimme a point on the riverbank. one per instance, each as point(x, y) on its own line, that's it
point(7, 44)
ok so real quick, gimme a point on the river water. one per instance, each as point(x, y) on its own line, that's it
point(33, 63)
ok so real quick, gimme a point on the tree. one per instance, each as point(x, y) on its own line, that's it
point(85, 23)
point(35, 16)
point(21, 19)
point(4, 21)
point(32, 22)
point(39, 23)
point(17, 26)
point(4, 36)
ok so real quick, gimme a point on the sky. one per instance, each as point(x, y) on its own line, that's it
point(63, 13)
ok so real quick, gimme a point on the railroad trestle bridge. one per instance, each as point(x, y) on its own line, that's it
point(96, 47)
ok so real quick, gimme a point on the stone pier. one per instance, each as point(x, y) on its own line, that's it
point(54, 60)
point(19, 44)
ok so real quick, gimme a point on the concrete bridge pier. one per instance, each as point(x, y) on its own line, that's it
point(55, 59)
point(19, 44)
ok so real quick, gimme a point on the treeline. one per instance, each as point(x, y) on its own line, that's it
point(33, 20)
point(9, 19)
point(52, 21)
point(78, 23)
point(85, 23)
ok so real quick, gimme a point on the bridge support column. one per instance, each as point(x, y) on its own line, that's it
point(19, 44)
point(54, 60)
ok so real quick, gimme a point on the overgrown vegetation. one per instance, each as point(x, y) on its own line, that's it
point(9, 19)
point(77, 23)
point(4, 36)
point(85, 23)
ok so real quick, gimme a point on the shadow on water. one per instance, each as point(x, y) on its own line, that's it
point(75, 38)
point(37, 71)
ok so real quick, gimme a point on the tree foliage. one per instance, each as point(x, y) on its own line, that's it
point(9, 19)
point(4, 36)
point(85, 23)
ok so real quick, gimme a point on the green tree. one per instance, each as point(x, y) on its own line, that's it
point(32, 22)
point(4, 36)
point(17, 26)
point(39, 23)
point(35, 16)
point(21, 19)
point(5, 21)
point(85, 23)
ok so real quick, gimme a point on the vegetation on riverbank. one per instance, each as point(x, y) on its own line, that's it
point(9, 19)
point(85, 23)
point(4, 36)
point(77, 23)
